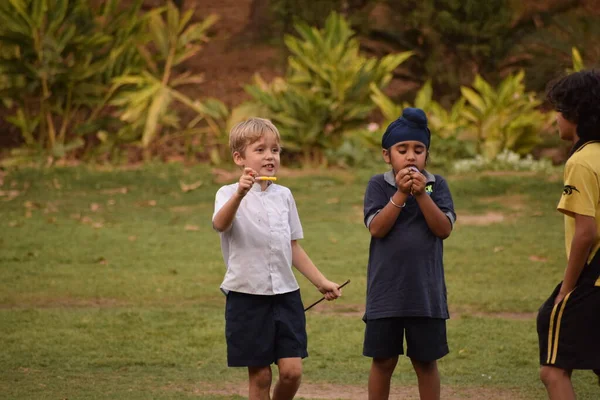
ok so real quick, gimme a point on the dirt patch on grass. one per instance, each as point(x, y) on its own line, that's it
point(513, 316)
point(343, 310)
point(185, 209)
point(324, 308)
point(358, 310)
point(488, 218)
point(66, 302)
point(514, 202)
point(356, 392)
point(510, 173)
point(208, 301)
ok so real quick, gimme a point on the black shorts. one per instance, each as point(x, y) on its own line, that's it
point(569, 332)
point(262, 329)
point(425, 338)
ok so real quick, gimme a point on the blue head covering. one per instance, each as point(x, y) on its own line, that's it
point(412, 125)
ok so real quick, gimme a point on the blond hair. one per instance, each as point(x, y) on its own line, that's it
point(249, 131)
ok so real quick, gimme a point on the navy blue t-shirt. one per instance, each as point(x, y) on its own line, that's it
point(405, 276)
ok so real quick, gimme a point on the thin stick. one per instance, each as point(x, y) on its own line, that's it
point(323, 298)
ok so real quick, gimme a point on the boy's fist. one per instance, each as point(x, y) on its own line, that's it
point(404, 181)
point(246, 181)
point(418, 183)
point(330, 290)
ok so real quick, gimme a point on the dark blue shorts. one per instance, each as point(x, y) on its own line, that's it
point(425, 338)
point(262, 329)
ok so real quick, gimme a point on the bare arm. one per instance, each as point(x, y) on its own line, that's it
point(383, 222)
point(583, 240)
point(436, 220)
point(304, 264)
point(224, 217)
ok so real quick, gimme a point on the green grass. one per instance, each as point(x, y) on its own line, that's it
point(108, 293)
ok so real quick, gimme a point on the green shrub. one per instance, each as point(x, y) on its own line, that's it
point(549, 49)
point(144, 98)
point(69, 72)
point(503, 118)
point(57, 57)
point(326, 91)
point(452, 39)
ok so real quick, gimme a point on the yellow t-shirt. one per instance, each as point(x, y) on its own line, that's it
point(581, 193)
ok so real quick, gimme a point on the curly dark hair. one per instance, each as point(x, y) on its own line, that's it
point(577, 97)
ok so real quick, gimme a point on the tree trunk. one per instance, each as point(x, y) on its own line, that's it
point(259, 19)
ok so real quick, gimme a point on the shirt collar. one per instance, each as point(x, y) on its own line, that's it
point(391, 179)
point(585, 144)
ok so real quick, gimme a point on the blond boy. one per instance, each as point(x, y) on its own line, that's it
point(259, 228)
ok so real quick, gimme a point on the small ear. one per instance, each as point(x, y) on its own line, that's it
point(386, 155)
point(238, 158)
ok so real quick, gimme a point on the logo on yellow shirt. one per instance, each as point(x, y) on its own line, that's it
point(568, 189)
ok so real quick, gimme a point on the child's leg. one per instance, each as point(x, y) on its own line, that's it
point(259, 383)
point(380, 377)
point(426, 343)
point(429, 379)
point(558, 383)
point(383, 343)
point(290, 375)
point(290, 343)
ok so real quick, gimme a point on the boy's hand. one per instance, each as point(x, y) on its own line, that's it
point(404, 181)
point(562, 293)
point(330, 290)
point(559, 297)
point(246, 181)
point(418, 183)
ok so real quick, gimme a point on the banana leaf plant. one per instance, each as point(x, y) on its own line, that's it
point(56, 57)
point(503, 118)
point(325, 93)
point(144, 99)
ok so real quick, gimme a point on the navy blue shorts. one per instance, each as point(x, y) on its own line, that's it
point(425, 338)
point(262, 329)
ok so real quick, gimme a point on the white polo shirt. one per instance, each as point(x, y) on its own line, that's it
point(257, 247)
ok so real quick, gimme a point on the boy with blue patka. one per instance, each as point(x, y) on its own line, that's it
point(259, 228)
point(409, 212)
